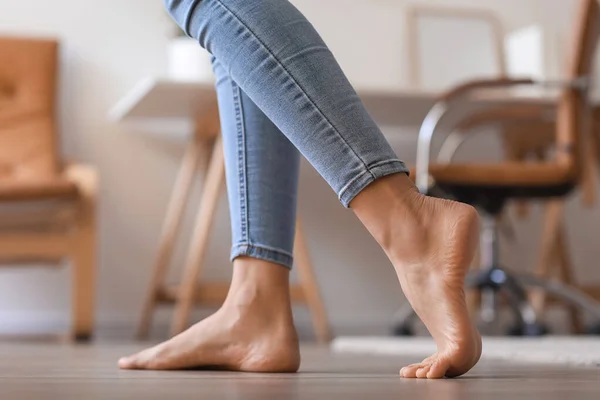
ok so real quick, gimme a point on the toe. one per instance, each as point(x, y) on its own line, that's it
point(410, 371)
point(438, 370)
point(127, 362)
point(423, 371)
point(137, 361)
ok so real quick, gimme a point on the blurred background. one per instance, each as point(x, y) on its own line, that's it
point(113, 52)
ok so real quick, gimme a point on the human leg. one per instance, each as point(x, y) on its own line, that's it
point(262, 177)
point(277, 58)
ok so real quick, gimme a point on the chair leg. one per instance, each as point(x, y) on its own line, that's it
point(84, 266)
point(595, 139)
point(170, 230)
point(593, 164)
point(552, 223)
point(214, 178)
point(566, 276)
point(310, 287)
point(590, 168)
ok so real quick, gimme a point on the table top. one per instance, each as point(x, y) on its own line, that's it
point(164, 98)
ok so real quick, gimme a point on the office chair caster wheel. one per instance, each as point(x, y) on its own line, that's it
point(593, 329)
point(403, 330)
point(529, 330)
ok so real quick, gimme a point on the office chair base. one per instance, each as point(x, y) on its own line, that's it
point(565, 293)
point(497, 281)
point(529, 330)
point(403, 330)
point(594, 329)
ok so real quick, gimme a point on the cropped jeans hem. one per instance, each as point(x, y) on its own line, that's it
point(264, 253)
point(372, 173)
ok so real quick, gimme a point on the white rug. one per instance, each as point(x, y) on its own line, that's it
point(574, 351)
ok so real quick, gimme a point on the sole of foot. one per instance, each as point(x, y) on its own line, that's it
point(432, 274)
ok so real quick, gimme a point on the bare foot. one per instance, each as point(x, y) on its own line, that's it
point(252, 332)
point(431, 243)
point(432, 278)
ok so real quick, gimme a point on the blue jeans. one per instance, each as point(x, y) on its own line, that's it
point(280, 90)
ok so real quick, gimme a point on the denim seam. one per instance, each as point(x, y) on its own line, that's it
point(264, 247)
point(298, 85)
point(241, 161)
point(262, 253)
point(379, 171)
point(378, 164)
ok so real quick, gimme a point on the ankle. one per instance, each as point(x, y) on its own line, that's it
point(385, 202)
point(395, 188)
point(260, 274)
point(259, 283)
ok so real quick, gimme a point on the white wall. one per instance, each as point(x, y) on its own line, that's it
point(108, 46)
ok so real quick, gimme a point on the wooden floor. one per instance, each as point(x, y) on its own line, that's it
point(50, 371)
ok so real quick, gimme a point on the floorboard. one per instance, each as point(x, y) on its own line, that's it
point(52, 371)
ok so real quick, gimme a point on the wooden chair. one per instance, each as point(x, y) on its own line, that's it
point(491, 186)
point(206, 146)
point(47, 207)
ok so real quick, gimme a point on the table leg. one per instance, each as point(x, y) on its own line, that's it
point(309, 285)
point(214, 179)
point(170, 230)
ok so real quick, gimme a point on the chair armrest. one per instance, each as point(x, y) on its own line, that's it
point(467, 87)
point(464, 128)
point(85, 178)
point(440, 109)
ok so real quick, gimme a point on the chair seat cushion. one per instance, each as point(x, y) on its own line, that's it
point(490, 186)
point(36, 189)
point(507, 174)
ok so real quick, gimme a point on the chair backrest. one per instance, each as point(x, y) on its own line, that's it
point(447, 46)
point(28, 76)
point(572, 108)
